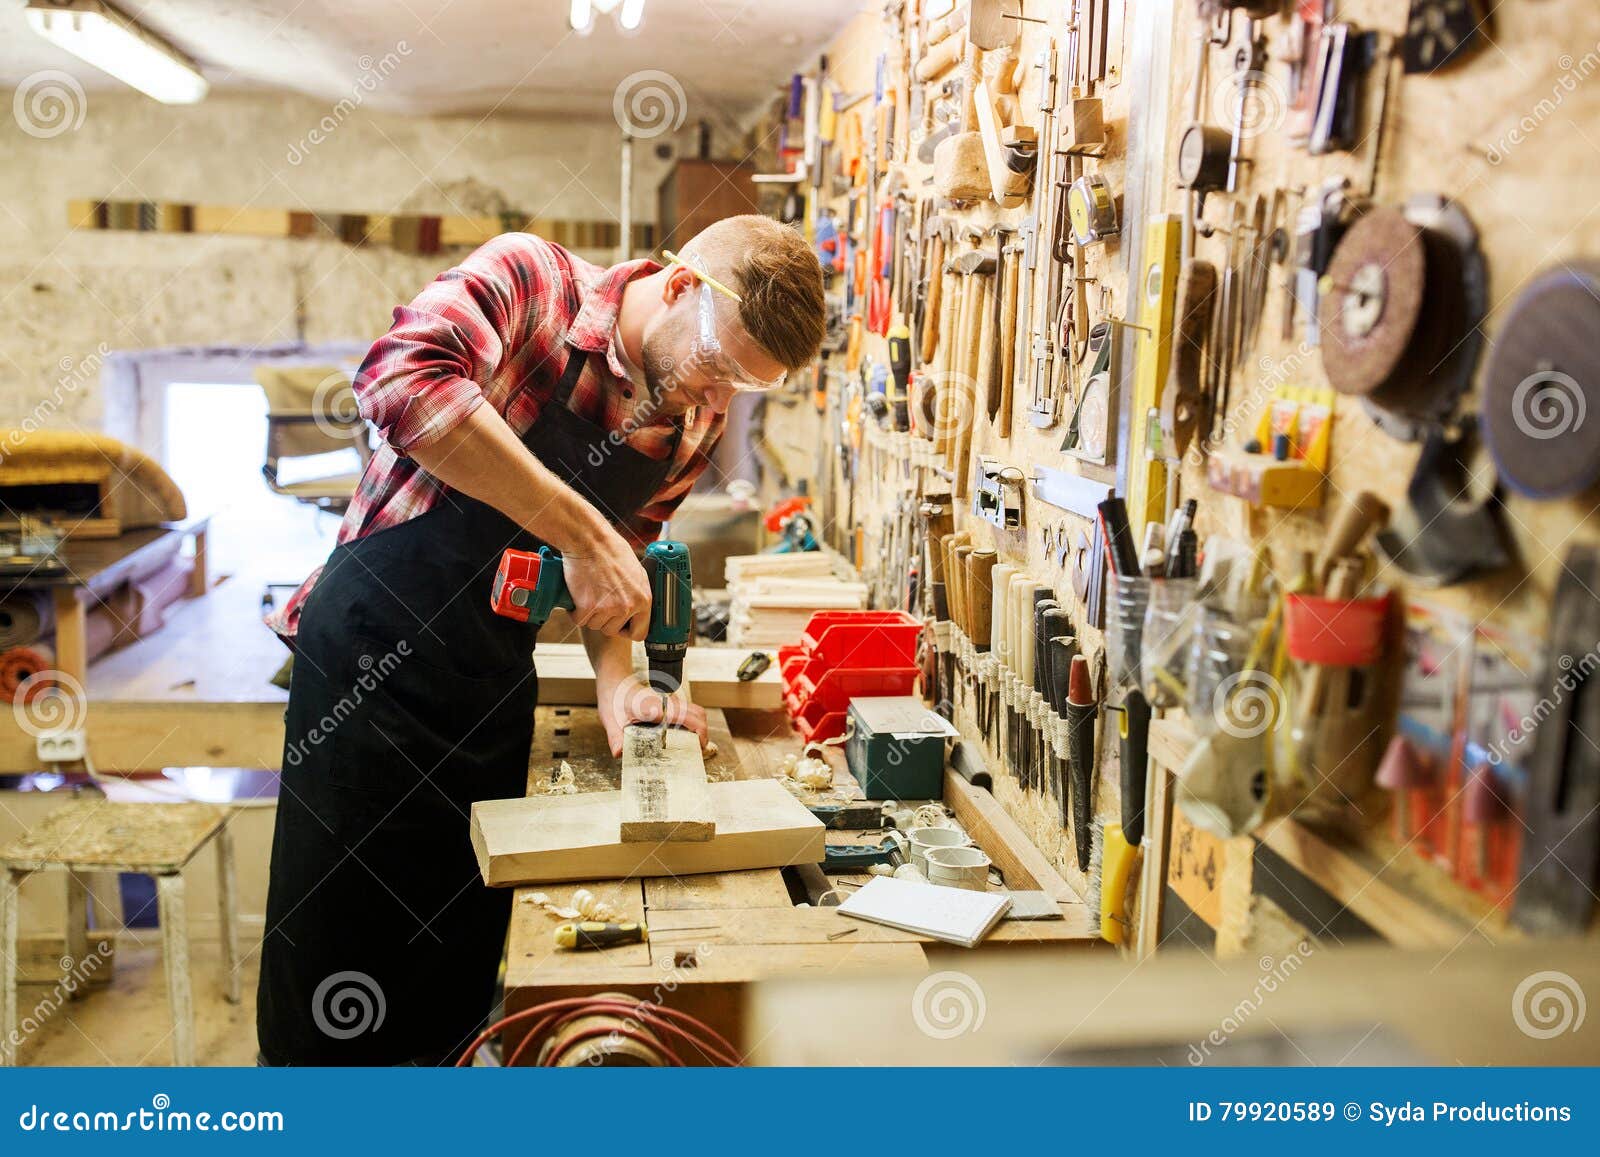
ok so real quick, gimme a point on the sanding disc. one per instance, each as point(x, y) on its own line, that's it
point(1541, 386)
point(1372, 304)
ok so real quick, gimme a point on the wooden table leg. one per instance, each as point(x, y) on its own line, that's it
point(228, 905)
point(10, 903)
point(175, 948)
point(197, 576)
point(72, 641)
point(77, 928)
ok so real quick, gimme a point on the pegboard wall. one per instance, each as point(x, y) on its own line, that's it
point(1503, 134)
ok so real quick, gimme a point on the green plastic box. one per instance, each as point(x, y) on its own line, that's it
point(896, 747)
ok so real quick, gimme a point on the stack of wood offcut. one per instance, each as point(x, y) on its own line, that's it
point(774, 595)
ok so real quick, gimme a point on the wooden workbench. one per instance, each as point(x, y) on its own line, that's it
point(712, 935)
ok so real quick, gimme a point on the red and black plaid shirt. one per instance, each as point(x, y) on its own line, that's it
point(490, 331)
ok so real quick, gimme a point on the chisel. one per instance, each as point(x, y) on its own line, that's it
point(1044, 603)
point(1081, 710)
point(980, 604)
point(1063, 649)
point(1023, 623)
point(999, 664)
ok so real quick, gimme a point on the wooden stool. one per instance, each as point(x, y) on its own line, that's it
point(154, 839)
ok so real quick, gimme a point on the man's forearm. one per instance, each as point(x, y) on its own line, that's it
point(483, 458)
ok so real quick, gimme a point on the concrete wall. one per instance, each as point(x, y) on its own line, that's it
point(65, 294)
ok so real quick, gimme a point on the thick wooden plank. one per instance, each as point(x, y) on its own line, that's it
point(664, 791)
point(993, 830)
point(575, 837)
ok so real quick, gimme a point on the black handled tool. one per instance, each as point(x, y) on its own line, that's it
point(1038, 751)
point(1081, 711)
point(1063, 648)
point(1133, 731)
point(1053, 623)
point(584, 934)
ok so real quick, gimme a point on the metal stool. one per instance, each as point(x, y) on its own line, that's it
point(154, 839)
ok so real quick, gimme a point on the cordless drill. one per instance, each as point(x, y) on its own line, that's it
point(529, 585)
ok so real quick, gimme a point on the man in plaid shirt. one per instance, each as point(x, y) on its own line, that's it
point(525, 398)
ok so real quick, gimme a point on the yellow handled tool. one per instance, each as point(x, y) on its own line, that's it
point(578, 934)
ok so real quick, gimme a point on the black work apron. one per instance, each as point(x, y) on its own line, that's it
point(410, 700)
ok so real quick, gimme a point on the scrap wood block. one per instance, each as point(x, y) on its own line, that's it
point(664, 791)
point(546, 839)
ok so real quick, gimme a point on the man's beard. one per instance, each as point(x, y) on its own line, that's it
point(661, 372)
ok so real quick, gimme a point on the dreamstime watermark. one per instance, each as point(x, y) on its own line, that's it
point(76, 974)
point(49, 103)
point(636, 1023)
point(373, 672)
point(649, 103)
point(1548, 1004)
point(1573, 672)
point(334, 407)
point(160, 1117)
point(75, 373)
point(1247, 703)
point(50, 702)
point(348, 1004)
point(1274, 974)
point(1275, 373)
point(373, 74)
point(1254, 103)
point(1547, 404)
point(1573, 72)
point(948, 1004)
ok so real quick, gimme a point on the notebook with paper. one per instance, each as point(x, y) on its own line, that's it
point(953, 915)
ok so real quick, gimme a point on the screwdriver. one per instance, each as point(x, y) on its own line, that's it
point(584, 934)
point(899, 339)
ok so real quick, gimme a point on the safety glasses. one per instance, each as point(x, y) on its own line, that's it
point(707, 352)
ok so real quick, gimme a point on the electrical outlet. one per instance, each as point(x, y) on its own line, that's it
point(68, 746)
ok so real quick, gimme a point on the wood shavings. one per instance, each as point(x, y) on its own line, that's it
point(585, 906)
point(564, 783)
point(930, 815)
point(811, 773)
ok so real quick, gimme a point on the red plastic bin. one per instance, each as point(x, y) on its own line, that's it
point(862, 638)
point(836, 688)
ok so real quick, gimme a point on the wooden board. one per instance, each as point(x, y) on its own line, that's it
point(664, 791)
point(566, 677)
point(575, 837)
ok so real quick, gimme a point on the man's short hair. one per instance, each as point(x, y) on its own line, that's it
point(778, 279)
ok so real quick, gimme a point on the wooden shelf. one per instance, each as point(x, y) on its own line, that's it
point(1406, 900)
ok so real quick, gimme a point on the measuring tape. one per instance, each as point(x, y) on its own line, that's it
point(1092, 209)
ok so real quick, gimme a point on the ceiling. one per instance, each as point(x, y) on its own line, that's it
point(472, 57)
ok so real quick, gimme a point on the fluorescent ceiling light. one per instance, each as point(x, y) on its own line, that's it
point(107, 39)
point(632, 12)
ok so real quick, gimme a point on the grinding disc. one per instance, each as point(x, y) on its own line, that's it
point(1373, 305)
point(1541, 386)
point(1401, 303)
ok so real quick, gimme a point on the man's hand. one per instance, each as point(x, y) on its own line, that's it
point(630, 699)
point(610, 590)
